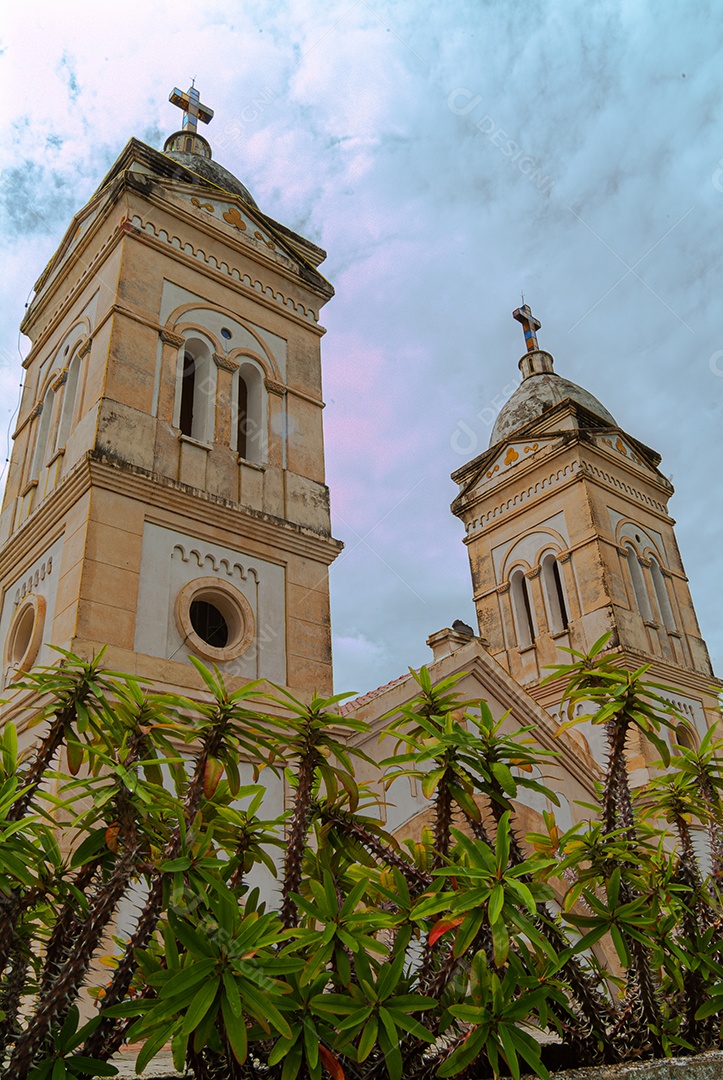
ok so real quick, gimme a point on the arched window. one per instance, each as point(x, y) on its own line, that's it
point(41, 441)
point(554, 594)
point(188, 386)
point(249, 419)
point(661, 594)
point(639, 588)
point(196, 397)
point(522, 609)
point(66, 416)
point(242, 416)
point(684, 735)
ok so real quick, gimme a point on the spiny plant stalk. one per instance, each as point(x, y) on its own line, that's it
point(296, 841)
point(380, 848)
point(11, 997)
point(225, 721)
point(66, 986)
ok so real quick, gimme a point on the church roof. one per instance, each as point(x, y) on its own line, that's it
point(536, 394)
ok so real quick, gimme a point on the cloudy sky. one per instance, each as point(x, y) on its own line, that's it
point(447, 156)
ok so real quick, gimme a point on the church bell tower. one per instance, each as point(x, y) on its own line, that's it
point(166, 492)
point(569, 537)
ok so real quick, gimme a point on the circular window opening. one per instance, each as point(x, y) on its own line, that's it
point(25, 634)
point(225, 332)
point(215, 619)
point(209, 623)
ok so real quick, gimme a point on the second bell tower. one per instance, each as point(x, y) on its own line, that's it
point(569, 537)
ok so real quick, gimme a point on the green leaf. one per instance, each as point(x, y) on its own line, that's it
point(200, 1005)
point(235, 1028)
point(151, 1047)
point(187, 978)
point(368, 1038)
point(91, 1067)
point(10, 748)
point(496, 903)
point(504, 778)
point(500, 942)
point(430, 781)
point(232, 993)
point(172, 866)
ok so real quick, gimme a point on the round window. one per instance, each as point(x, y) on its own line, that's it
point(25, 634)
point(215, 619)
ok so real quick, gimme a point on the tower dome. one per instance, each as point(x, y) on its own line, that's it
point(192, 151)
point(541, 388)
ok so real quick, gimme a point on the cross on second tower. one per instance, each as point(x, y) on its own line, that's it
point(193, 110)
point(529, 324)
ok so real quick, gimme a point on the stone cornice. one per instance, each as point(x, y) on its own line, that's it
point(48, 284)
point(163, 493)
point(46, 522)
point(555, 444)
point(511, 493)
point(44, 525)
point(281, 261)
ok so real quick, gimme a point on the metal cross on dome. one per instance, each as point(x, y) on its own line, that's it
point(193, 110)
point(529, 324)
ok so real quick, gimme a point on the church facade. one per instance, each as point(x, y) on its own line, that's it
point(166, 491)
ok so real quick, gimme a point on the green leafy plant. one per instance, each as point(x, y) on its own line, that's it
point(470, 950)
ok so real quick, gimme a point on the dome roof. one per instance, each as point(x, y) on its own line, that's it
point(536, 394)
point(212, 171)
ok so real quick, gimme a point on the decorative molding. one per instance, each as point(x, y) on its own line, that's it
point(564, 556)
point(286, 302)
point(225, 362)
point(503, 587)
point(534, 572)
point(43, 571)
point(275, 387)
point(172, 339)
point(217, 564)
point(60, 380)
point(634, 493)
point(85, 347)
point(560, 476)
point(573, 470)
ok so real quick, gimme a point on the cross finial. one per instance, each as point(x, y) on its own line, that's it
point(193, 110)
point(529, 324)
